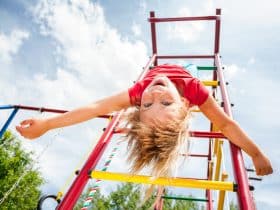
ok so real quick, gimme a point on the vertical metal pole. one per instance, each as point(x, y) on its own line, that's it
point(219, 161)
point(154, 39)
point(209, 173)
point(243, 193)
point(217, 31)
point(216, 50)
point(159, 203)
point(78, 185)
point(208, 191)
point(222, 193)
point(6, 125)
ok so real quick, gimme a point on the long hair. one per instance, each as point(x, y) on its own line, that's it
point(157, 147)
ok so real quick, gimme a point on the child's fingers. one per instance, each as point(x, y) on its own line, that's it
point(267, 171)
point(19, 129)
point(258, 171)
point(27, 122)
point(24, 131)
point(24, 127)
point(270, 170)
point(264, 171)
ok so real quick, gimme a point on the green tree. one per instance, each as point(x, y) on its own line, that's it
point(190, 205)
point(14, 162)
point(127, 197)
point(233, 206)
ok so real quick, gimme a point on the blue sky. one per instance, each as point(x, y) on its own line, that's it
point(63, 55)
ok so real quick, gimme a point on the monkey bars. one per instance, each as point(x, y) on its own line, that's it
point(214, 180)
point(176, 182)
point(243, 193)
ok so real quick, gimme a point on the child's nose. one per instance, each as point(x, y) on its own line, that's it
point(156, 93)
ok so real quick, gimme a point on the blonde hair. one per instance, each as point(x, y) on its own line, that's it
point(156, 146)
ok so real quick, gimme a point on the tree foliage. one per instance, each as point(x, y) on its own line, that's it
point(127, 197)
point(14, 161)
point(233, 206)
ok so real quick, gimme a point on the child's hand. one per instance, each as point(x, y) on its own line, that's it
point(32, 128)
point(262, 165)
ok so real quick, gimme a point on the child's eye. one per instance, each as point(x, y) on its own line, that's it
point(166, 103)
point(146, 105)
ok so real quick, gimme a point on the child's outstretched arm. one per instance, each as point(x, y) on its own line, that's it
point(33, 128)
point(236, 135)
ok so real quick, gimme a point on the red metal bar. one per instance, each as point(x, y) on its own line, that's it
point(185, 56)
point(199, 134)
point(208, 193)
point(216, 50)
point(159, 204)
point(42, 109)
point(154, 38)
point(217, 31)
point(146, 68)
point(204, 134)
point(243, 193)
point(79, 183)
point(209, 198)
point(198, 18)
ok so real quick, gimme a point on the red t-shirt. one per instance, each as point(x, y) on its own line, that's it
point(189, 87)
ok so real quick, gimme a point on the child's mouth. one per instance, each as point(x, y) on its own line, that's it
point(160, 82)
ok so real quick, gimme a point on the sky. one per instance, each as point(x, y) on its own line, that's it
point(64, 54)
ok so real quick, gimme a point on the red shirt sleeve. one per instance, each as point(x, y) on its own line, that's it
point(196, 92)
point(135, 93)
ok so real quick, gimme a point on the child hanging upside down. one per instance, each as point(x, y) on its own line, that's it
point(158, 124)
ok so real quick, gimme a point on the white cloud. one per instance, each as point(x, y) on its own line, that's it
point(89, 46)
point(93, 60)
point(94, 56)
point(142, 7)
point(136, 29)
point(190, 31)
point(208, 7)
point(231, 70)
point(252, 60)
point(261, 14)
point(10, 44)
point(96, 61)
point(185, 31)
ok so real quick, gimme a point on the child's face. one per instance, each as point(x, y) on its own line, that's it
point(160, 102)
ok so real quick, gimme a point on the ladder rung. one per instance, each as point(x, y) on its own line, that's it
point(184, 198)
point(199, 134)
point(177, 182)
point(205, 134)
point(196, 155)
point(42, 109)
point(210, 83)
point(193, 178)
point(206, 68)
